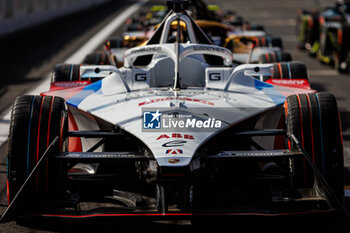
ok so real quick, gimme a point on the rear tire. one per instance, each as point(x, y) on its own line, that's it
point(35, 122)
point(66, 73)
point(276, 56)
point(289, 70)
point(97, 58)
point(269, 42)
point(314, 120)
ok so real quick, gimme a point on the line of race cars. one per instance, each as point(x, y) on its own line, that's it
point(225, 29)
point(197, 114)
point(325, 33)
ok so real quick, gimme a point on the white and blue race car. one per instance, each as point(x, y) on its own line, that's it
point(177, 132)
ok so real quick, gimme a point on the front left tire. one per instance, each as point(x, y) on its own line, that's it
point(35, 122)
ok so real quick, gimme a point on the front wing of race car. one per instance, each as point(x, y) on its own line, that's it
point(318, 200)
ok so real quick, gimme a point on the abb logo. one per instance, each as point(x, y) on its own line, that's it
point(176, 135)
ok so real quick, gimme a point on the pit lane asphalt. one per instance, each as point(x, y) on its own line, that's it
point(27, 57)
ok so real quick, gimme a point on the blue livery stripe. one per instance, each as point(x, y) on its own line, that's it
point(261, 85)
point(321, 133)
point(270, 91)
point(87, 91)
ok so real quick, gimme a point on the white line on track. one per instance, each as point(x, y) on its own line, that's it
point(76, 58)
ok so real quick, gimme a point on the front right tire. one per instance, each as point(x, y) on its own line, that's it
point(314, 119)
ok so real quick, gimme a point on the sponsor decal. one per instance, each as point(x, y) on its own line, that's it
point(173, 161)
point(72, 155)
point(214, 76)
point(298, 83)
point(208, 48)
point(140, 77)
point(253, 154)
point(147, 49)
point(174, 143)
point(178, 98)
point(173, 151)
point(289, 81)
point(70, 84)
point(176, 135)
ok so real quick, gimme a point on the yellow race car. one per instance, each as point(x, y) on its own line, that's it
point(238, 37)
